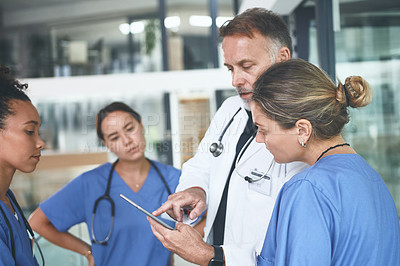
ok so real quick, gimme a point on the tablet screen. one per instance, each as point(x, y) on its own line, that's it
point(146, 212)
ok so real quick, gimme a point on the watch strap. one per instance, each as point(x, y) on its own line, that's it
point(218, 259)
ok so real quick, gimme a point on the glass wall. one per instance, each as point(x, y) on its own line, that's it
point(368, 44)
point(119, 45)
point(113, 37)
point(190, 42)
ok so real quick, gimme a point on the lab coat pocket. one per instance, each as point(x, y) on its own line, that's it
point(262, 186)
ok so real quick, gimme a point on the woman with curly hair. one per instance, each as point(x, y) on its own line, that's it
point(20, 149)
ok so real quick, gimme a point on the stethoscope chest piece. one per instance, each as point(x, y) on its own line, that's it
point(216, 148)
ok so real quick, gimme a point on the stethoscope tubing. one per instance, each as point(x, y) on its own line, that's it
point(247, 178)
point(217, 148)
point(228, 125)
point(108, 198)
point(28, 227)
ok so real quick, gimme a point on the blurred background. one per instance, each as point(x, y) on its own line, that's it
point(164, 59)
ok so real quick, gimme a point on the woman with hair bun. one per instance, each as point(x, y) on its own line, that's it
point(339, 210)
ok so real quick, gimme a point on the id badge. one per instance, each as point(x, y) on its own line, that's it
point(262, 186)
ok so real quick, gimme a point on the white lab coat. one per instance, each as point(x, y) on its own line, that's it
point(248, 211)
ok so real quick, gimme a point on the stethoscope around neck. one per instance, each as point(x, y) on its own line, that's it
point(217, 147)
point(108, 198)
point(28, 228)
point(255, 176)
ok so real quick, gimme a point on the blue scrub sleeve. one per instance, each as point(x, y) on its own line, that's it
point(170, 174)
point(23, 251)
point(5, 255)
point(66, 208)
point(305, 217)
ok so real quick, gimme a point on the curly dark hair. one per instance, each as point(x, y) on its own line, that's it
point(10, 89)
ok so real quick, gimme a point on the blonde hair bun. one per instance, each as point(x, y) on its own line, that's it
point(358, 91)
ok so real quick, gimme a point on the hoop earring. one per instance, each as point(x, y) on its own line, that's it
point(303, 144)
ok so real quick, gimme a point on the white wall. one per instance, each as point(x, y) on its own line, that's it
point(153, 83)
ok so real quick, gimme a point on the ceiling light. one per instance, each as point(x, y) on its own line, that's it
point(124, 28)
point(200, 21)
point(205, 21)
point(137, 27)
point(172, 22)
point(221, 20)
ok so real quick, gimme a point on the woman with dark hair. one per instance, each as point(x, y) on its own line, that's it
point(339, 210)
point(20, 149)
point(94, 198)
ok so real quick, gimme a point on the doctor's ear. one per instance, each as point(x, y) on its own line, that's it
point(304, 130)
point(283, 54)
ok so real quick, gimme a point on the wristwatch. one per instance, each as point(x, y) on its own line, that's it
point(218, 259)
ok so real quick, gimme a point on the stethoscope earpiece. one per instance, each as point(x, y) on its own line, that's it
point(248, 179)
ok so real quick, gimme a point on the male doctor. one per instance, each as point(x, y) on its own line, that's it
point(232, 176)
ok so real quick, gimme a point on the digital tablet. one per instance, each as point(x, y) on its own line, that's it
point(146, 212)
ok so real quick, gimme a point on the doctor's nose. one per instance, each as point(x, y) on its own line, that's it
point(237, 80)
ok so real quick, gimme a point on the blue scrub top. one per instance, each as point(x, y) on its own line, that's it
point(337, 212)
point(22, 243)
point(132, 242)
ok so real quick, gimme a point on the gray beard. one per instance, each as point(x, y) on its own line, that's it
point(247, 104)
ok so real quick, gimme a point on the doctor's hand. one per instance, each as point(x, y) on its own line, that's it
point(184, 241)
point(192, 199)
